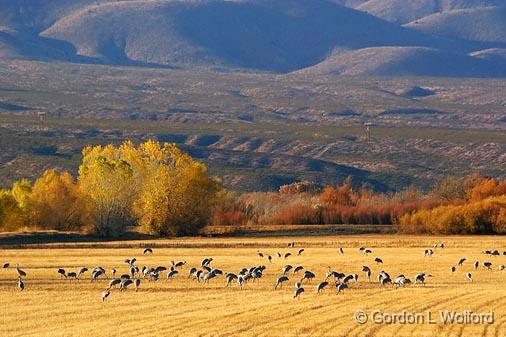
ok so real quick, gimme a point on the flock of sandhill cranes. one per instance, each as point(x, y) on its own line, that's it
point(205, 273)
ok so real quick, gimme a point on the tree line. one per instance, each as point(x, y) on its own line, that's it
point(158, 189)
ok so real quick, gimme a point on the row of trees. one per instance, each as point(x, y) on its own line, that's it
point(343, 204)
point(163, 191)
point(155, 186)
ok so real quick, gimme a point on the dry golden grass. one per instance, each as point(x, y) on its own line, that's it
point(181, 307)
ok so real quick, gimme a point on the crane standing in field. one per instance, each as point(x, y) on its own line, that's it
point(367, 272)
point(280, 280)
point(21, 273)
point(297, 292)
point(21, 284)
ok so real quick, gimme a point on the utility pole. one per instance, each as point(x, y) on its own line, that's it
point(368, 126)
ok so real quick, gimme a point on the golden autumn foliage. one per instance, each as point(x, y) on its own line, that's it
point(11, 216)
point(156, 186)
point(163, 191)
point(54, 202)
point(108, 188)
point(483, 216)
point(177, 195)
point(480, 188)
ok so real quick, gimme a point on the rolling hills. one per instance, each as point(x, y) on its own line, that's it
point(486, 24)
point(404, 11)
point(261, 35)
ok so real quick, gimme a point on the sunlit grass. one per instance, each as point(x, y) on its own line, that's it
point(182, 307)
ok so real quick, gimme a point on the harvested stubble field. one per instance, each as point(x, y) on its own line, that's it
point(50, 306)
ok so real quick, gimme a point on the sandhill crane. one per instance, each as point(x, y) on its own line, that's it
point(297, 269)
point(476, 265)
point(192, 272)
point(286, 268)
point(280, 280)
point(114, 282)
point(378, 260)
point(269, 258)
point(61, 271)
point(124, 284)
point(341, 286)
point(137, 283)
point(347, 278)
point(95, 275)
point(105, 294)
point(179, 264)
point(230, 277)
point(300, 251)
point(153, 276)
point(171, 274)
point(21, 273)
point(367, 272)
point(97, 271)
point(487, 265)
point(133, 270)
point(260, 253)
point(212, 274)
point(240, 281)
point(400, 281)
point(321, 286)
point(21, 284)
point(6, 265)
point(287, 255)
point(308, 276)
point(297, 292)
point(454, 269)
point(206, 262)
point(420, 278)
point(147, 251)
point(340, 251)
point(384, 278)
point(469, 277)
point(130, 262)
point(461, 261)
point(333, 274)
point(82, 271)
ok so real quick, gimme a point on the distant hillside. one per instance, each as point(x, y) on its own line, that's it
point(261, 35)
point(480, 24)
point(493, 54)
point(405, 61)
point(280, 35)
point(404, 11)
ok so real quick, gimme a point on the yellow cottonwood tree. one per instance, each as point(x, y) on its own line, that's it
point(10, 214)
point(159, 186)
point(107, 188)
point(53, 202)
point(177, 195)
